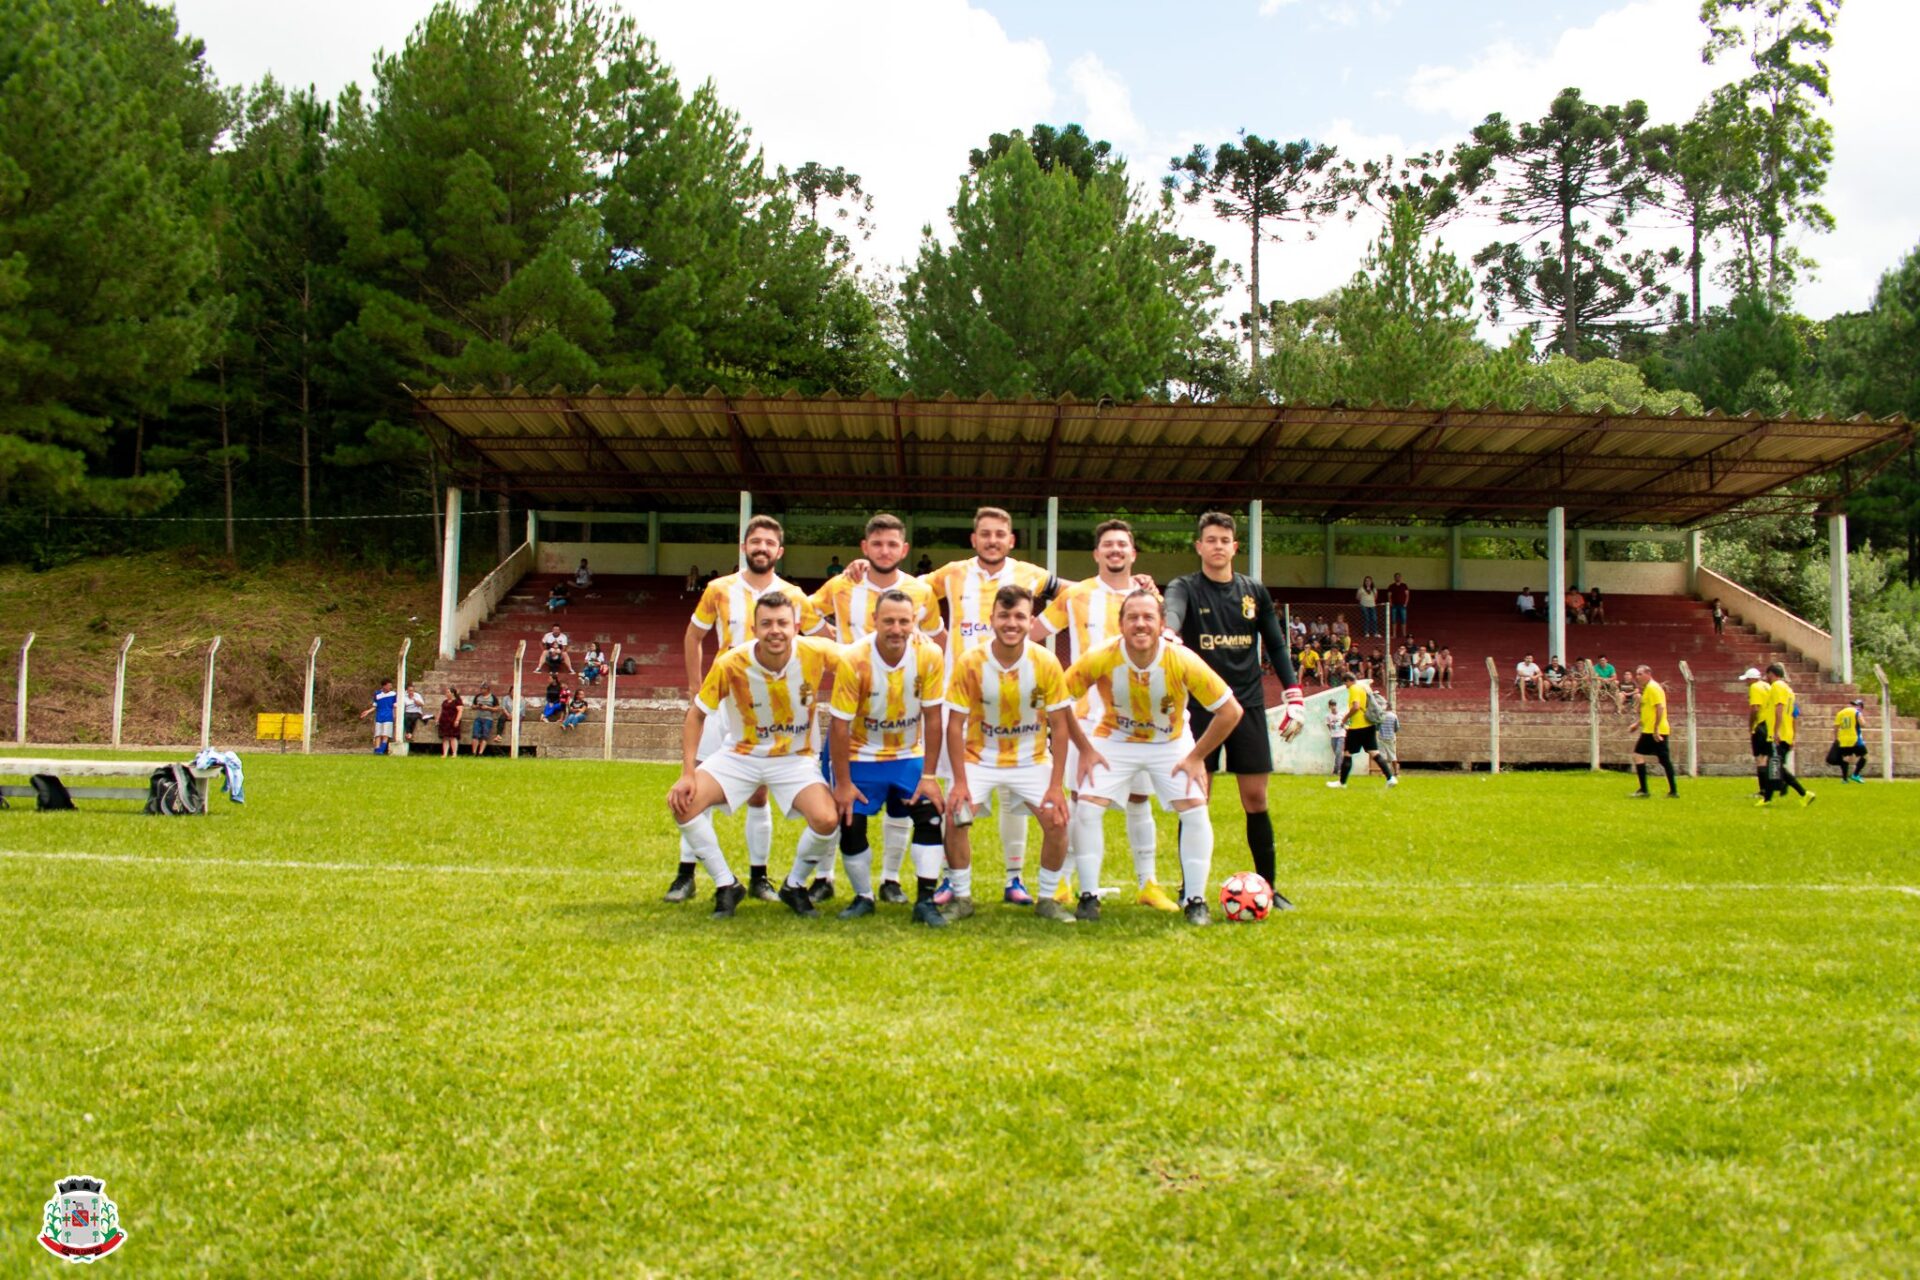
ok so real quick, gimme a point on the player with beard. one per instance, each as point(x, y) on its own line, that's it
point(851, 606)
point(725, 610)
point(1089, 613)
point(1229, 620)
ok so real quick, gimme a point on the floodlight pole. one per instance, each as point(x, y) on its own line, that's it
point(20, 695)
point(1886, 724)
point(519, 665)
point(1493, 720)
point(206, 697)
point(306, 703)
point(400, 706)
point(120, 686)
point(613, 676)
point(1693, 736)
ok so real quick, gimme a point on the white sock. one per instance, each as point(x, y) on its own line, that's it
point(812, 850)
point(1013, 836)
point(698, 840)
point(759, 835)
point(927, 860)
point(961, 878)
point(1089, 844)
point(860, 872)
point(1049, 881)
point(894, 834)
point(1142, 837)
point(1196, 852)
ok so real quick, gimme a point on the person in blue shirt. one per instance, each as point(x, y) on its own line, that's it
point(382, 710)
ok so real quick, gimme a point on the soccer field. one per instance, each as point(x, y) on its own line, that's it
point(411, 1018)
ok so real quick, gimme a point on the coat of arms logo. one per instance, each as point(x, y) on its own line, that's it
point(82, 1225)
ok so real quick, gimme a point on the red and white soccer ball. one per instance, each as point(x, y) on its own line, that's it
point(1246, 897)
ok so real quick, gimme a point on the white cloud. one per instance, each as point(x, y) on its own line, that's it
point(1270, 7)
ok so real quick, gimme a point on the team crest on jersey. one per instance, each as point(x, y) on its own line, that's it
point(82, 1225)
point(806, 694)
point(1166, 705)
point(1038, 700)
point(918, 684)
point(1246, 607)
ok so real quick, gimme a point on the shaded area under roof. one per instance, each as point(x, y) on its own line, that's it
point(1318, 462)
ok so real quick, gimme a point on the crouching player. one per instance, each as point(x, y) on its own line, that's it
point(1143, 683)
point(766, 689)
point(884, 743)
point(1007, 731)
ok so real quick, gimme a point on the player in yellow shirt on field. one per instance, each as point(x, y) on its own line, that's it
point(1849, 741)
point(766, 690)
point(1781, 714)
point(1759, 699)
point(884, 740)
point(1654, 732)
point(1007, 731)
point(1143, 682)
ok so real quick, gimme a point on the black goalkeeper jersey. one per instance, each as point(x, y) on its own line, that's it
point(1232, 625)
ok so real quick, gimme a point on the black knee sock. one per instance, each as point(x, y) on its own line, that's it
point(1641, 769)
point(686, 870)
point(1760, 776)
point(1346, 766)
point(1260, 843)
point(1788, 780)
point(1673, 787)
point(924, 888)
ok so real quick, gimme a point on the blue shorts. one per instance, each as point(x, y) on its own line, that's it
point(879, 779)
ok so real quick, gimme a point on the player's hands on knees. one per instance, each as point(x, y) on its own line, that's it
point(1089, 761)
point(959, 800)
point(680, 797)
point(845, 796)
point(1199, 781)
point(1053, 808)
point(929, 790)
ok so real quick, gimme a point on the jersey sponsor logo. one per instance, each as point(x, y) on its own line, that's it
point(968, 630)
point(766, 731)
point(1007, 731)
point(1127, 724)
point(875, 725)
point(1226, 642)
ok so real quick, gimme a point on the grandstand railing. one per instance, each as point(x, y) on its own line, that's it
point(486, 595)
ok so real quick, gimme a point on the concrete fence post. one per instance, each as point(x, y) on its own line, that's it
point(206, 697)
point(1886, 724)
point(120, 687)
point(1693, 725)
point(1593, 718)
point(519, 673)
point(400, 745)
point(613, 678)
point(306, 701)
point(20, 695)
point(1493, 714)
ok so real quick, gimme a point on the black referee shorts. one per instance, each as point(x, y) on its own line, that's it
point(1760, 744)
point(1649, 745)
point(1359, 740)
point(1247, 749)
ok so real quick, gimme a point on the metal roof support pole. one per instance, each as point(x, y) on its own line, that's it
point(1693, 562)
point(1456, 580)
point(1840, 613)
point(1580, 558)
point(746, 514)
point(1557, 584)
point(1256, 540)
point(653, 542)
point(450, 575)
point(1053, 535)
point(1326, 556)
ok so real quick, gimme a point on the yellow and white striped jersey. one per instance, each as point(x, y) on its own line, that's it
point(1089, 612)
point(726, 606)
point(1146, 704)
point(882, 704)
point(969, 593)
point(850, 605)
point(1006, 708)
point(770, 712)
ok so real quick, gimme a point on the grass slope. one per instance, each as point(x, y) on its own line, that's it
point(1519, 1027)
point(175, 603)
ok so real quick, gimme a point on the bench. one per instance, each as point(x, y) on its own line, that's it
point(69, 769)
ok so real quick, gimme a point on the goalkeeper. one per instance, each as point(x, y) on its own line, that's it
point(1229, 620)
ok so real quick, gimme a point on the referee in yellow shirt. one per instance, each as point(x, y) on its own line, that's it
point(1849, 740)
point(1781, 713)
point(1654, 731)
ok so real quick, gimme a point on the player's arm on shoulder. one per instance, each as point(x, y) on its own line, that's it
point(1174, 605)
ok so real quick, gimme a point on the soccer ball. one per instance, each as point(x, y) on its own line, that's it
point(1246, 897)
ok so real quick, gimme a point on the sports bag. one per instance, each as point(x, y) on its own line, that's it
point(170, 791)
point(1376, 706)
point(49, 792)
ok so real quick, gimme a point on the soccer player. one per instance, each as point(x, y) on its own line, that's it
point(1850, 740)
point(1654, 731)
point(1363, 734)
point(1143, 682)
point(1759, 701)
point(850, 606)
point(1229, 620)
point(1781, 713)
point(1007, 732)
point(1089, 613)
point(766, 690)
point(725, 609)
point(885, 738)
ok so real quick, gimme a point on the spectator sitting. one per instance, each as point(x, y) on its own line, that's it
point(693, 578)
point(1297, 632)
point(594, 665)
point(1596, 607)
point(1403, 663)
point(1334, 663)
point(1557, 685)
point(556, 701)
point(1606, 681)
point(557, 639)
point(1443, 665)
point(1342, 634)
point(1576, 605)
point(413, 711)
point(553, 660)
point(1424, 672)
point(1310, 665)
point(1362, 667)
point(1526, 675)
point(924, 565)
point(835, 568)
point(576, 711)
point(557, 597)
point(1524, 603)
point(583, 576)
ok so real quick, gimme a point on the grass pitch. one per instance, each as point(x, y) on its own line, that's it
point(412, 1018)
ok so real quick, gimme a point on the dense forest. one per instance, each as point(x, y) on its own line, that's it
point(211, 295)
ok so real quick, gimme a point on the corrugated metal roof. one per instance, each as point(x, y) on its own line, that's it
point(1313, 461)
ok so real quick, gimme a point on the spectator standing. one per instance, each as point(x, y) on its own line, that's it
point(1719, 618)
point(924, 565)
point(1596, 607)
point(448, 722)
point(385, 700)
point(583, 576)
point(835, 568)
point(1368, 597)
point(486, 713)
point(1526, 675)
point(1389, 736)
point(1850, 740)
point(1337, 730)
point(412, 711)
point(1398, 596)
point(576, 710)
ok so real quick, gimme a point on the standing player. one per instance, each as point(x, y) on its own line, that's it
point(1143, 681)
point(1089, 612)
point(885, 739)
point(1850, 740)
point(850, 606)
point(1229, 620)
point(726, 610)
point(1781, 713)
point(1759, 702)
point(1654, 731)
point(1007, 731)
point(1363, 734)
point(766, 691)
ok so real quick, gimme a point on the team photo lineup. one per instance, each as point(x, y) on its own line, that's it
point(862, 699)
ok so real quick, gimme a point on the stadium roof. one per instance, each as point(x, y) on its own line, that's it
point(1320, 462)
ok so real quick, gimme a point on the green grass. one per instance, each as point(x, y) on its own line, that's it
point(1518, 1027)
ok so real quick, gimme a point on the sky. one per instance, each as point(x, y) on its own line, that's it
point(899, 90)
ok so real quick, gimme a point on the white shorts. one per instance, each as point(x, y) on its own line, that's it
point(1023, 784)
point(714, 735)
point(1142, 768)
point(383, 728)
point(1138, 785)
point(785, 776)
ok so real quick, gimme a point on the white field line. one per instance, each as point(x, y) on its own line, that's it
point(1388, 886)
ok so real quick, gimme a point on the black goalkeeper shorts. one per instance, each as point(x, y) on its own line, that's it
point(1247, 749)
